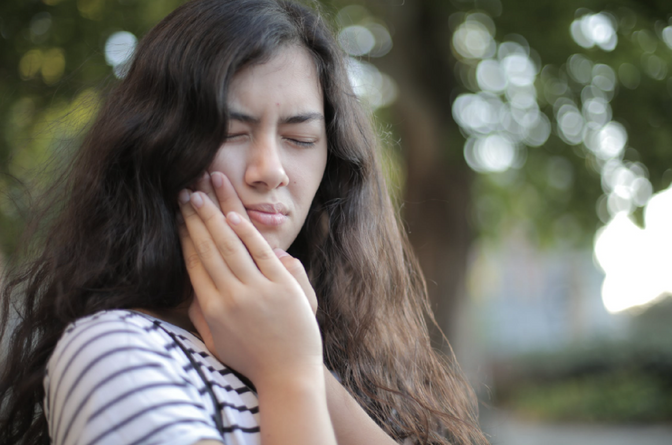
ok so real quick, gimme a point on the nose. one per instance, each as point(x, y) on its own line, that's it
point(264, 167)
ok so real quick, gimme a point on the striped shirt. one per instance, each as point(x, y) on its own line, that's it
point(118, 377)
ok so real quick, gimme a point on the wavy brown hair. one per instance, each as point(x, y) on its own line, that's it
point(111, 238)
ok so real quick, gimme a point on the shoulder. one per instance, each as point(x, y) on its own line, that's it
point(114, 376)
point(108, 336)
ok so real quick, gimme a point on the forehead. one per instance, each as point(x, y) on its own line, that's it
point(287, 80)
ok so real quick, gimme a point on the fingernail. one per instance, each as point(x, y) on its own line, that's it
point(233, 217)
point(217, 180)
point(183, 196)
point(280, 253)
point(196, 200)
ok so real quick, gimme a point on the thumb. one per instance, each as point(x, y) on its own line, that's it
point(295, 268)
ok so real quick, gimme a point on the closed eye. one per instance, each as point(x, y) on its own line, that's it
point(301, 143)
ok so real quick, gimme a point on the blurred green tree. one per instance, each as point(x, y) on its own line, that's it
point(52, 66)
point(545, 116)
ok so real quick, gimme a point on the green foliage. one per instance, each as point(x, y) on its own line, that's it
point(52, 70)
point(608, 380)
point(570, 213)
point(619, 396)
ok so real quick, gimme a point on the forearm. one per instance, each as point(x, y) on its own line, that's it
point(294, 411)
point(351, 423)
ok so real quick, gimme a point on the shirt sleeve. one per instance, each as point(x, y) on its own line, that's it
point(111, 381)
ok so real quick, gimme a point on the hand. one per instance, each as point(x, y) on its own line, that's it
point(257, 314)
point(221, 192)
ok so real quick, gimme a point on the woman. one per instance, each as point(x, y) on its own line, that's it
point(238, 116)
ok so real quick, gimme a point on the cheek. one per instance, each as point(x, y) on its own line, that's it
point(229, 163)
point(307, 178)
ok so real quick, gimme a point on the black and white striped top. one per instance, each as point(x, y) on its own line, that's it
point(117, 377)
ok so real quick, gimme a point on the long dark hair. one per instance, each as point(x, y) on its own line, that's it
point(111, 240)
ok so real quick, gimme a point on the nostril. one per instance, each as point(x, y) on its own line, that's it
point(266, 174)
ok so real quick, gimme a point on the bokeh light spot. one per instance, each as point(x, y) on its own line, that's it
point(654, 66)
point(595, 29)
point(473, 38)
point(612, 139)
point(383, 40)
point(667, 36)
point(119, 49)
point(493, 153)
point(490, 76)
point(40, 24)
point(646, 41)
point(636, 262)
point(91, 9)
point(356, 40)
point(626, 185)
point(539, 131)
point(597, 110)
point(53, 65)
point(604, 77)
point(580, 68)
point(570, 124)
point(477, 113)
point(519, 69)
point(376, 89)
point(30, 64)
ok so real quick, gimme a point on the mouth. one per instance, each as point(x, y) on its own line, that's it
point(267, 214)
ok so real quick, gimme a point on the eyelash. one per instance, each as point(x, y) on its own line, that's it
point(297, 142)
point(301, 143)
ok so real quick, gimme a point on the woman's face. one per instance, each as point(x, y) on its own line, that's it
point(276, 149)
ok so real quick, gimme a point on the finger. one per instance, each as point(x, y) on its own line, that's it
point(198, 276)
point(226, 195)
point(206, 249)
point(261, 252)
point(204, 184)
point(296, 269)
point(231, 249)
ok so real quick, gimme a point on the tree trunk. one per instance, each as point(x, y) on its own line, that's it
point(436, 205)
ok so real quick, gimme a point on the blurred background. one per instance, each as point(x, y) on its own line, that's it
point(529, 148)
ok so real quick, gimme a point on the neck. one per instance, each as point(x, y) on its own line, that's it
point(178, 316)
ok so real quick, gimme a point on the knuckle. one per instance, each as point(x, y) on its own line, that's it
point(227, 248)
point(263, 254)
point(192, 261)
point(204, 248)
point(214, 218)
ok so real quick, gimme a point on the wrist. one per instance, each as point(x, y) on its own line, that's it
point(307, 378)
point(293, 408)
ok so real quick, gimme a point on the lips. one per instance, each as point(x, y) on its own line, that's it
point(267, 214)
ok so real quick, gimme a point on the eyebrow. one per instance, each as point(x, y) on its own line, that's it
point(296, 119)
